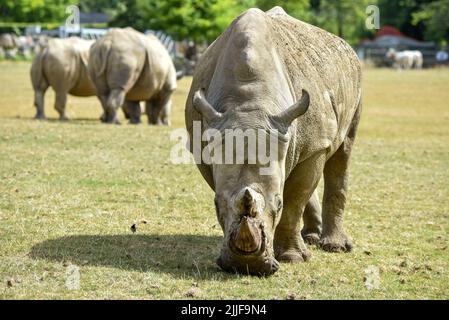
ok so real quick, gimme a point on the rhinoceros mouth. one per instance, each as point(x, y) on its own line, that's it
point(261, 266)
point(256, 252)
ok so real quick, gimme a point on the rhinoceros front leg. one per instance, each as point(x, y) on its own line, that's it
point(311, 231)
point(334, 238)
point(299, 187)
point(133, 110)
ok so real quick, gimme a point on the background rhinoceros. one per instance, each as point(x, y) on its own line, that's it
point(272, 72)
point(127, 65)
point(62, 65)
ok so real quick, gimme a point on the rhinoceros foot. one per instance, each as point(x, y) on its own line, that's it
point(311, 238)
point(293, 256)
point(336, 243)
point(134, 120)
point(39, 116)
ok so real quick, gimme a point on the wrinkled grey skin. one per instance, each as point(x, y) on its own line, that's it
point(62, 65)
point(253, 76)
point(126, 67)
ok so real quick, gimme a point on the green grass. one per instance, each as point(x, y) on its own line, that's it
point(69, 193)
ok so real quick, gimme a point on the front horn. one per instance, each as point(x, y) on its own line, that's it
point(247, 238)
point(204, 107)
point(286, 117)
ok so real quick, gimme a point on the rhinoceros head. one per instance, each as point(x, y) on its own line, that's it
point(248, 203)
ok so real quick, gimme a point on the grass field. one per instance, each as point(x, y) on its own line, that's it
point(69, 193)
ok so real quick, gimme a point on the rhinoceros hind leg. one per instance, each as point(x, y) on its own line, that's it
point(158, 110)
point(60, 103)
point(165, 114)
point(311, 232)
point(103, 100)
point(115, 100)
point(125, 111)
point(39, 104)
point(334, 238)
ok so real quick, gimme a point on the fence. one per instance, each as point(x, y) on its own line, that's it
point(378, 55)
point(94, 33)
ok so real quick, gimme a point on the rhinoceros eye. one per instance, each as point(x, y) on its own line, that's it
point(278, 202)
point(216, 205)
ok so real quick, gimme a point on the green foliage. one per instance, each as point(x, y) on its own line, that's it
point(345, 18)
point(33, 10)
point(206, 19)
point(195, 19)
point(399, 14)
point(435, 18)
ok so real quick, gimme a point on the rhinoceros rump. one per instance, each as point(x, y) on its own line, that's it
point(128, 67)
point(270, 71)
point(62, 65)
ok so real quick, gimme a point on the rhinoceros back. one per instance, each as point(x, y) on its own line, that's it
point(311, 59)
point(325, 62)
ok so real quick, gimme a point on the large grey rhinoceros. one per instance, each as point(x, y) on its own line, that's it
point(62, 65)
point(127, 67)
point(271, 72)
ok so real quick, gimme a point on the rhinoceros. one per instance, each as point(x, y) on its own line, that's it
point(62, 65)
point(8, 41)
point(271, 72)
point(128, 66)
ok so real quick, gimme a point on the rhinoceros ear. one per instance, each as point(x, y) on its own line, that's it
point(204, 107)
point(286, 117)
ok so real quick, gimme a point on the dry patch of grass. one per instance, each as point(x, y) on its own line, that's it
point(69, 193)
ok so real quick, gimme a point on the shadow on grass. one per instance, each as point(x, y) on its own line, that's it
point(56, 120)
point(71, 120)
point(179, 255)
point(74, 120)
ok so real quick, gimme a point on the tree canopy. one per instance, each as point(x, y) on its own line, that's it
point(206, 19)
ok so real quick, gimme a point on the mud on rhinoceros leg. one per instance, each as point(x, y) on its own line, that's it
point(311, 231)
point(334, 238)
point(299, 187)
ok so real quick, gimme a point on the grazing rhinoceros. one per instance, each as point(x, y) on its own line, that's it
point(62, 65)
point(127, 65)
point(271, 72)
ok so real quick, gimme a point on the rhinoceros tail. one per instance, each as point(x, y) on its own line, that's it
point(37, 71)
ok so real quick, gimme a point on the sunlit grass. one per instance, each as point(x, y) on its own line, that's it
point(69, 193)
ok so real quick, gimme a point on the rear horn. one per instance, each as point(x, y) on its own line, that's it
point(204, 107)
point(286, 117)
